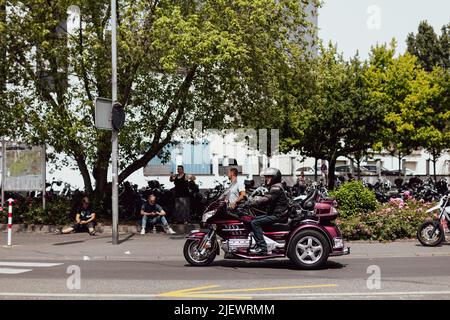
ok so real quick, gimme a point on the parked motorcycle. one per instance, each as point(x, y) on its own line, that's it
point(431, 233)
point(130, 201)
point(213, 194)
point(308, 238)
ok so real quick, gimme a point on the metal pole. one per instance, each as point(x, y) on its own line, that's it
point(379, 168)
point(44, 177)
point(3, 172)
point(115, 133)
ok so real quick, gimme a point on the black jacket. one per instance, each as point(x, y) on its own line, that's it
point(277, 201)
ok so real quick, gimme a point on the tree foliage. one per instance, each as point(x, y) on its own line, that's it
point(179, 61)
point(433, 54)
point(336, 119)
point(431, 50)
point(416, 102)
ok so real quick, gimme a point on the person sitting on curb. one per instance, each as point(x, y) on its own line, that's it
point(84, 219)
point(153, 211)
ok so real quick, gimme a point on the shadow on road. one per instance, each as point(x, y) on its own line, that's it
point(67, 242)
point(126, 238)
point(80, 241)
point(274, 264)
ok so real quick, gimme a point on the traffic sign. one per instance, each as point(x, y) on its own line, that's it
point(103, 113)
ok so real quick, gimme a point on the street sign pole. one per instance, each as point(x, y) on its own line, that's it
point(115, 133)
point(44, 176)
point(3, 172)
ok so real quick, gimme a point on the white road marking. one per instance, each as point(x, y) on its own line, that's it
point(348, 294)
point(28, 264)
point(19, 266)
point(125, 295)
point(77, 295)
point(13, 271)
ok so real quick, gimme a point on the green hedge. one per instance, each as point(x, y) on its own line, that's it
point(354, 199)
point(58, 212)
point(391, 221)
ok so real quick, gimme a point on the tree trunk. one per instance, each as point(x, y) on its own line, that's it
point(85, 174)
point(434, 167)
point(316, 161)
point(331, 176)
point(358, 168)
point(399, 165)
point(101, 181)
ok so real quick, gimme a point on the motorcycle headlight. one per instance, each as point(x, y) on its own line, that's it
point(207, 215)
point(338, 243)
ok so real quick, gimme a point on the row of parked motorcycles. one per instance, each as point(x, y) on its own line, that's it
point(427, 190)
point(131, 199)
point(56, 189)
point(432, 232)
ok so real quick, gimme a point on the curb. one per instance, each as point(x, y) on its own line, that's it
point(32, 228)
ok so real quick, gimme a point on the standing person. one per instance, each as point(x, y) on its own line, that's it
point(236, 192)
point(324, 170)
point(152, 211)
point(182, 196)
point(350, 177)
point(299, 188)
point(195, 198)
point(84, 219)
point(193, 187)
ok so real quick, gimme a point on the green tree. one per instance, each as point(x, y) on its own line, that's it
point(336, 119)
point(411, 97)
point(179, 61)
point(435, 132)
point(433, 53)
point(431, 50)
point(3, 73)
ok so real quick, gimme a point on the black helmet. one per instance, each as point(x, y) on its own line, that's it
point(274, 173)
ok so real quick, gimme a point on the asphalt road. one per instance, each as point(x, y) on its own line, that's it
point(402, 276)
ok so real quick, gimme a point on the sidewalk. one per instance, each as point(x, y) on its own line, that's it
point(162, 247)
point(100, 228)
point(82, 246)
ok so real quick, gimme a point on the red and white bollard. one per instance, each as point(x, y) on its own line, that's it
point(10, 204)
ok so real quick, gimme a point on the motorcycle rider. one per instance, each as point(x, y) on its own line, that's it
point(278, 203)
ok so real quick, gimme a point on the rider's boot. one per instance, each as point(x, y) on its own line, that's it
point(259, 251)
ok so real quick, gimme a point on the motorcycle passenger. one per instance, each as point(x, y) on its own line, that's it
point(278, 203)
point(236, 192)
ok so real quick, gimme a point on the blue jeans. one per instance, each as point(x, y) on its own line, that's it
point(258, 232)
point(154, 220)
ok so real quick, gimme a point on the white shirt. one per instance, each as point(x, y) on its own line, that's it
point(233, 191)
